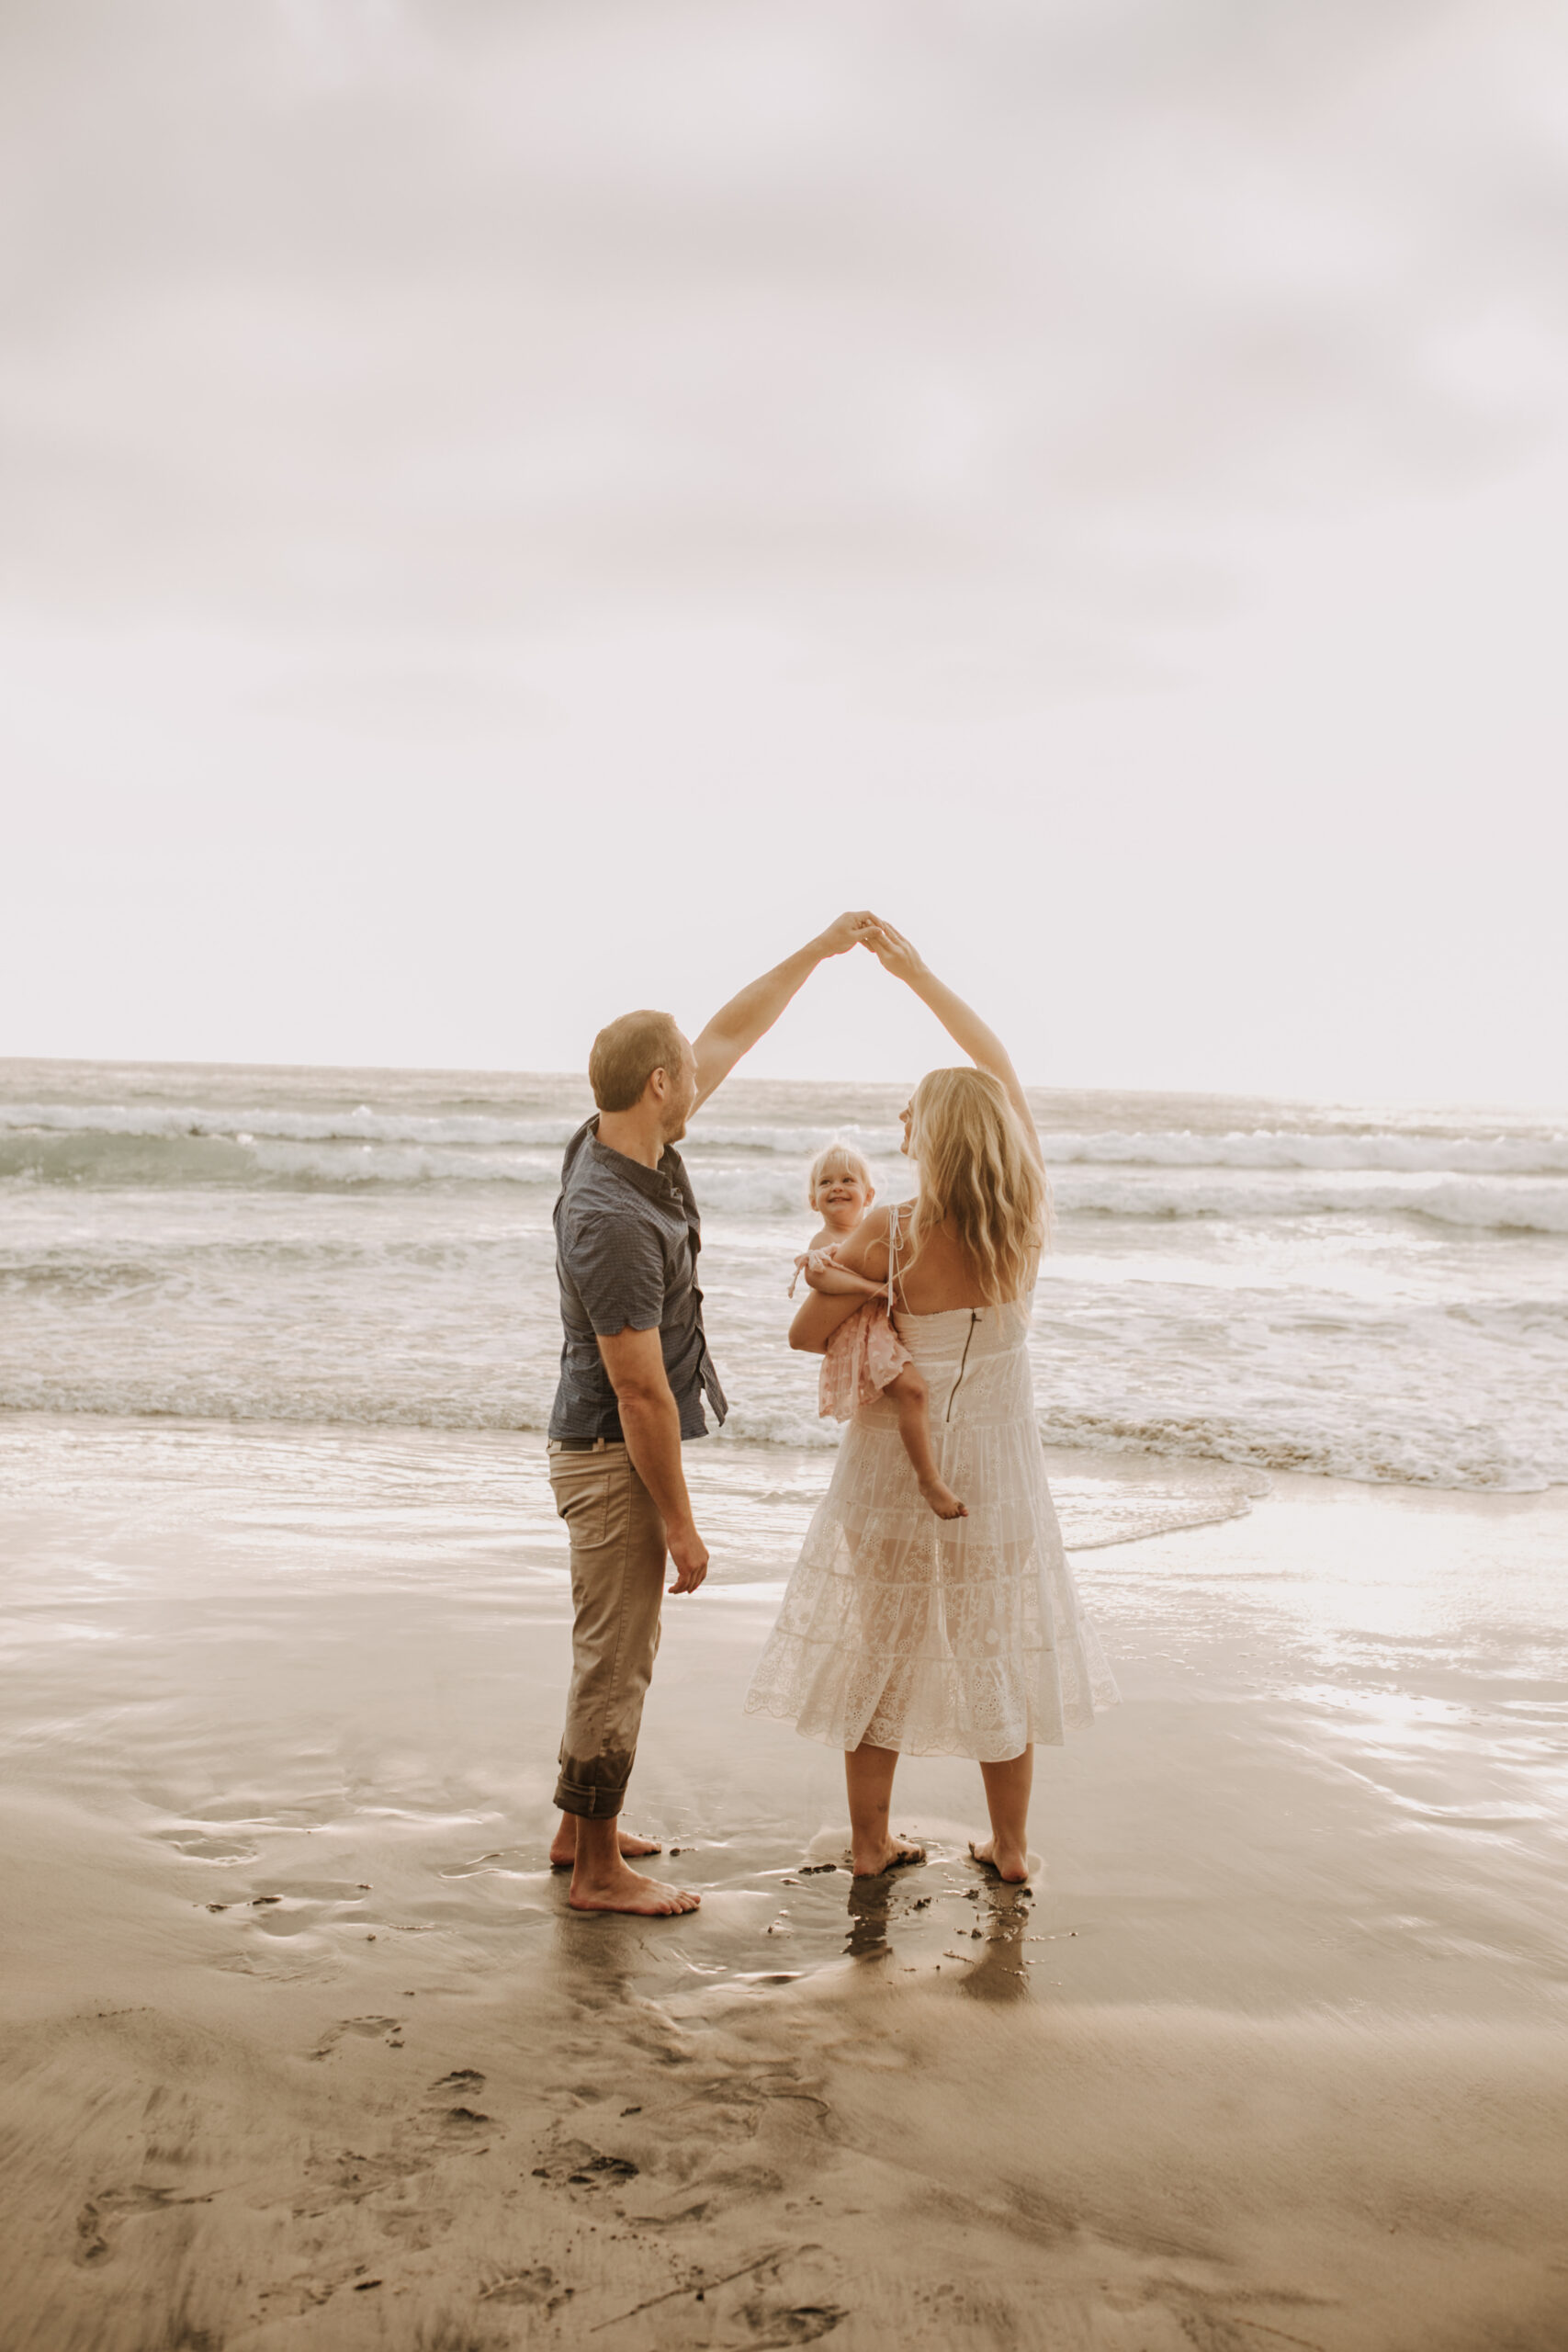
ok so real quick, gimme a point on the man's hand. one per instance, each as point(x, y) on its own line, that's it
point(735, 1026)
point(847, 933)
point(688, 1557)
point(650, 1425)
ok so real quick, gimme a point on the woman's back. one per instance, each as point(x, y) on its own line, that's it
point(939, 1279)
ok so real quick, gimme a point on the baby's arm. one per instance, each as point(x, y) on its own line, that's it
point(818, 1263)
point(820, 1317)
point(824, 1273)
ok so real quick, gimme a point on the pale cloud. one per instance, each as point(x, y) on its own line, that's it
point(373, 313)
point(966, 433)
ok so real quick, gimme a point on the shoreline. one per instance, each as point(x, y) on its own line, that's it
point(1190, 1481)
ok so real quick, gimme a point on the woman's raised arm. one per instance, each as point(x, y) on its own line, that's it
point(963, 1024)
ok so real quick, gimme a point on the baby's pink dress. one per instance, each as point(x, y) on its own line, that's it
point(864, 1355)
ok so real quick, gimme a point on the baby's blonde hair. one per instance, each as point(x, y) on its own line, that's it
point(836, 1160)
point(977, 1169)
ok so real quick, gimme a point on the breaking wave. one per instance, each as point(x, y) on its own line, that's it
point(734, 1177)
point(1534, 1153)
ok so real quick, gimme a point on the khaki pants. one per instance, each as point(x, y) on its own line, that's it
point(617, 1588)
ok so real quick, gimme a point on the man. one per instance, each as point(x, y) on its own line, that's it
point(634, 1367)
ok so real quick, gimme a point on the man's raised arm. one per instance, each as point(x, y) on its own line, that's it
point(736, 1027)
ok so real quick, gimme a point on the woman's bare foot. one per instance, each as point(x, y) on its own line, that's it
point(1010, 1863)
point(942, 1499)
point(619, 1889)
point(896, 1855)
point(563, 1845)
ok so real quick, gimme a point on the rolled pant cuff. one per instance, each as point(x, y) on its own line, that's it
point(590, 1804)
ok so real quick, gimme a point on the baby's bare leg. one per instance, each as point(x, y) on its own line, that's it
point(910, 1393)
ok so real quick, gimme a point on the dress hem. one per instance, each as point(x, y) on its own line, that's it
point(756, 1706)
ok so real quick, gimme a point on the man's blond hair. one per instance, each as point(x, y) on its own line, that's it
point(625, 1055)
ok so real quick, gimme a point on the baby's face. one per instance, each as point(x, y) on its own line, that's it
point(842, 1201)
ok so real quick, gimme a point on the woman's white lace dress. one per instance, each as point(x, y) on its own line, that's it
point(939, 1637)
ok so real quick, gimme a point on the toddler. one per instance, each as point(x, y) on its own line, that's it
point(865, 1358)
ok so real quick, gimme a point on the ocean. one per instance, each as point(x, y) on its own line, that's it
point(1373, 1295)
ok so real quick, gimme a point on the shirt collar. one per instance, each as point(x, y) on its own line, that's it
point(659, 1183)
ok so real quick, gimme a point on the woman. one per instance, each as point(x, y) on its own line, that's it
point(901, 1631)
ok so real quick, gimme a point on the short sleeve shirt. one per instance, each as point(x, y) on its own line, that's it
point(626, 1244)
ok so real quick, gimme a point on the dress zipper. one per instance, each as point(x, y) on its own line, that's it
point(974, 1318)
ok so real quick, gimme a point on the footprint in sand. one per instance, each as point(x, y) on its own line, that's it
point(763, 2302)
point(574, 2164)
point(309, 2290)
point(459, 2119)
point(398, 2211)
point(370, 2028)
point(98, 2223)
point(536, 2287)
point(353, 2177)
point(803, 2324)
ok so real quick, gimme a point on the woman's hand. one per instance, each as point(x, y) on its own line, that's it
point(894, 952)
point(964, 1026)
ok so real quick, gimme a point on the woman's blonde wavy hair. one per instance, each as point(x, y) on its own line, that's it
point(978, 1173)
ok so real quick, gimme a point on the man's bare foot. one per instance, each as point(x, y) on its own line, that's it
point(563, 1845)
point(623, 1890)
point(942, 1499)
point(896, 1855)
point(1010, 1863)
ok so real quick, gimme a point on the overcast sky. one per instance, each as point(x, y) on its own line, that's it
point(516, 508)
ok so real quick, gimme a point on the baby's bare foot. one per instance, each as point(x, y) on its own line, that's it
point(623, 1890)
point(942, 1499)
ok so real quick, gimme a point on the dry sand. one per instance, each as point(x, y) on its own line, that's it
point(304, 2050)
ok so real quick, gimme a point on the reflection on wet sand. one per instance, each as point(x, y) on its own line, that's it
point(870, 1901)
point(992, 1957)
point(1003, 1914)
point(307, 2045)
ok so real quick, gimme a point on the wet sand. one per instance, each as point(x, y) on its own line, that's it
point(302, 2047)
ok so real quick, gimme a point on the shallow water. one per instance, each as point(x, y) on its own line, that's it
point(314, 1678)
